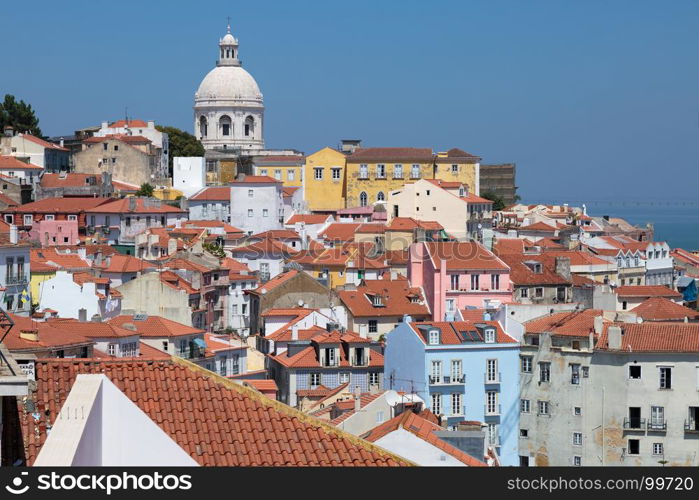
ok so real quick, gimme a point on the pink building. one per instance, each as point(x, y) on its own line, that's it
point(51, 232)
point(457, 274)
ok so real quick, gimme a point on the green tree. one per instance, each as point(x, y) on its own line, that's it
point(214, 250)
point(18, 115)
point(498, 203)
point(181, 143)
point(145, 190)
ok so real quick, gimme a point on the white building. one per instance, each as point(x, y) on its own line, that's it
point(211, 203)
point(228, 105)
point(257, 204)
point(144, 129)
point(659, 264)
point(188, 174)
point(68, 293)
point(50, 157)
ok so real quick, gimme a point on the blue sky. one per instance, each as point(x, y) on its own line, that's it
point(592, 99)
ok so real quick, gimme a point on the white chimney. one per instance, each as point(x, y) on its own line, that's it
point(14, 234)
point(598, 322)
point(295, 331)
point(614, 333)
point(357, 398)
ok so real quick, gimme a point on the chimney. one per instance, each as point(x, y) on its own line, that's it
point(614, 334)
point(357, 399)
point(151, 124)
point(82, 315)
point(32, 335)
point(563, 267)
point(14, 234)
point(295, 331)
point(105, 125)
point(598, 323)
point(132, 203)
point(350, 145)
point(9, 131)
point(98, 258)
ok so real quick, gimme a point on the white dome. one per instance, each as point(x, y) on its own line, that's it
point(229, 82)
point(228, 40)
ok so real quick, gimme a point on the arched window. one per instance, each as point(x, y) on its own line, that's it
point(225, 125)
point(203, 126)
point(380, 196)
point(362, 199)
point(249, 126)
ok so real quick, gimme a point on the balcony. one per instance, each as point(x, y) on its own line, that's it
point(447, 380)
point(458, 412)
point(492, 410)
point(492, 378)
point(657, 426)
point(16, 280)
point(634, 424)
point(360, 361)
point(691, 426)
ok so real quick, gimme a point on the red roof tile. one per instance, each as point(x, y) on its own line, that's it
point(12, 163)
point(463, 255)
point(647, 291)
point(395, 295)
point(214, 193)
point(155, 326)
point(61, 205)
point(454, 332)
point(129, 123)
point(122, 206)
point(655, 337)
point(422, 155)
point(662, 309)
point(308, 219)
point(571, 323)
point(216, 421)
point(41, 142)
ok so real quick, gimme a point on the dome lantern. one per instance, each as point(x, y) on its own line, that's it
point(228, 49)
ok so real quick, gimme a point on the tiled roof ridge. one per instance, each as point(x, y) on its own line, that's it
point(287, 410)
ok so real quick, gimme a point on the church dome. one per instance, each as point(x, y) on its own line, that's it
point(229, 82)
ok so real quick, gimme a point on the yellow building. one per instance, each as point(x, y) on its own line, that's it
point(372, 173)
point(167, 194)
point(324, 180)
point(285, 168)
point(460, 166)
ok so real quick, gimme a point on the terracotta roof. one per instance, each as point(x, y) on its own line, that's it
point(50, 335)
point(410, 224)
point(425, 430)
point(278, 280)
point(454, 154)
point(577, 257)
point(265, 246)
point(308, 219)
point(522, 274)
point(12, 163)
point(82, 278)
point(508, 245)
point(685, 256)
point(662, 309)
point(647, 291)
point(474, 315)
point(90, 329)
point(41, 142)
point(464, 255)
point(308, 358)
point(371, 228)
point(49, 180)
point(7, 201)
point(539, 226)
point(120, 263)
point(285, 334)
point(571, 323)
point(257, 179)
point(50, 259)
point(288, 191)
point(262, 385)
point(155, 326)
point(395, 297)
point(129, 123)
point(340, 231)
point(72, 205)
point(217, 421)
point(121, 206)
point(180, 263)
point(214, 193)
point(279, 159)
point(655, 337)
point(128, 139)
point(460, 332)
point(277, 234)
point(422, 155)
point(177, 282)
point(348, 406)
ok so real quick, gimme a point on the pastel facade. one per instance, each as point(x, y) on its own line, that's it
point(324, 180)
point(257, 204)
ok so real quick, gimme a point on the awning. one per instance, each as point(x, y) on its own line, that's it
point(200, 343)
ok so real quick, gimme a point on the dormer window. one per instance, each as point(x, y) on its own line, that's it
point(377, 300)
point(434, 337)
point(489, 335)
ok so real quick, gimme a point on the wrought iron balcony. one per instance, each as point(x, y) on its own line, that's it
point(489, 380)
point(634, 424)
point(447, 380)
point(691, 426)
point(16, 280)
point(657, 425)
point(492, 410)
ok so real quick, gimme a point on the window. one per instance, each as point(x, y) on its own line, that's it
point(265, 212)
point(111, 349)
point(373, 326)
point(543, 407)
point(456, 408)
point(624, 305)
point(249, 126)
point(363, 171)
point(456, 370)
point(524, 433)
point(251, 193)
point(380, 171)
point(315, 379)
point(344, 377)
point(577, 461)
point(665, 377)
point(53, 217)
point(434, 337)
point(105, 146)
point(526, 363)
point(249, 212)
point(454, 169)
point(634, 447)
point(491, 370)
point(658, 449)
point(436, 403)
point(495, 282)
point(577, 438)
point(380, 196)
point(524, 405)
point(290, 175)
point(657, 417)
point(336, 173)
point(635, 372)
point(330, 358)
point(544, 372)
point(436, 372)
point(454, 281)
point(575, 374)
point(278, 174)
point(363, 199)
point(398, 171)
point(491, 400)
point(72, 217)
point(28, 219)
point(585, 372)
point(474, 282)
point(577, 411)
point(318, 173)
point(263, 171)
point(415, 171)
point(493, 434)
point(489, 336)
point(524, 293)
point(538, 292)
